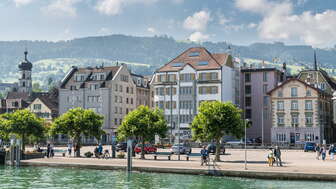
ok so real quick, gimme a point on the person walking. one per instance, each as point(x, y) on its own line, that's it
point(318, 151)
point(204, 156)
point(69, 149)
point(277, 154)
point(324, 152)
point(48, 150)
point(331, 152)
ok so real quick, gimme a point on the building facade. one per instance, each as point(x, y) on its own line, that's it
point(110, 91)
point(255, 83)
point(194, 76)
point(301, 113)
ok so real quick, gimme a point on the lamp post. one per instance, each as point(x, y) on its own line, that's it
point(246, 121)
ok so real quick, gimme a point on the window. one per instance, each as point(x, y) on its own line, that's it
point(169, 89)
point(37, 106)
point(294, 105)
point(308, 93)
point(177, 64)
point(265, 102)
point(124, 78)
point(116, 121)
point(127, 89)
point(187, 77)
point(265, 74)
point(121, 88)
point(171, 77)
point(126, 100)
point(116, 87)
point(280, 93)
point(120, 99)
point(185, 90)
point(120, 110)
point(102, 76)
point(247, 77)
point(248, 101)
point(265, 88)
point(308, 105)
point(248, 114)
point(168, 105)
point(309, 137)
point(208, 76)
point(281, 120)
point(115, 98)
point(280, 105)
point(203, 63)
point(295, 120)
point(131, 100)
point(116, 110)
point(294, 92)
point(208, 90)
point(193, 54)
point(281, 137)
point(309, 119)
point(247, 89)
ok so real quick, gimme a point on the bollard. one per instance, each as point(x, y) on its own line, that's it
point(129, 155)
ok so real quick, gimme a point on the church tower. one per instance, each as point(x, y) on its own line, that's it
point(25, 81)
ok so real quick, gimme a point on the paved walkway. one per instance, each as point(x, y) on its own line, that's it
point(294, 162)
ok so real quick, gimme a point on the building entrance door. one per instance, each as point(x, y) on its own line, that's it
point(292, 138)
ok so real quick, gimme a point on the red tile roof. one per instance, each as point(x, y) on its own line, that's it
point(215, 61)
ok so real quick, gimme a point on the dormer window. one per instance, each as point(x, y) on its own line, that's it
point(179, 64)
point(193, 54)
point(203, 63)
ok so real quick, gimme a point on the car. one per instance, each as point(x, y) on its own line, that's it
point(309, 146)
point(212, 148)
point(148, 148)
point(234, 142)
point(122, 146)
point(184, 149)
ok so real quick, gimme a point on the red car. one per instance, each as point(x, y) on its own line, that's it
point(148, 148)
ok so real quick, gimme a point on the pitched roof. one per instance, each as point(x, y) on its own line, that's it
point(295, 79)
point(17, 95)
point(52, 104)
point(325, 75)
point(214, 61)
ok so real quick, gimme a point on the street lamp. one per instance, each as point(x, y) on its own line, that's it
point(246, 122)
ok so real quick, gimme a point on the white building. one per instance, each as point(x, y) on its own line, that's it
point(192, 77)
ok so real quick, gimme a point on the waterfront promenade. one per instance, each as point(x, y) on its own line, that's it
point(297, 165)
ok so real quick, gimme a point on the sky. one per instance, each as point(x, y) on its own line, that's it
point(299, 22)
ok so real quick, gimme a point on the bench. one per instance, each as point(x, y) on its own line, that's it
point(192, 155)
point(168, 154)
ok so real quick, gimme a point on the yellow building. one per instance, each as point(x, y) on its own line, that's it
point(44, 107)
point(300, 113)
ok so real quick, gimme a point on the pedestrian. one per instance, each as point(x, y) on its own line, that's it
point(69, 149)
point(277, 154)
point(100, 149)
point(270, 158)
point(51, 151)
point(204, 156)
point(324, 152)
point(318, 151)
point(331, 152)
point(48, 150)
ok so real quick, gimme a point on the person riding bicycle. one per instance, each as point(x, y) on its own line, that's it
point(204, 155)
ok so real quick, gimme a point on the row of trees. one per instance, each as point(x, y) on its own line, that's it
point(214, 120)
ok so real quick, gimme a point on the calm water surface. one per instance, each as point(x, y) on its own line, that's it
point(45, 177)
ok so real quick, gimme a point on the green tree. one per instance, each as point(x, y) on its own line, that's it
point(36, 87)
point(143, 123)
point(23, 124)
point(216, 119)
point(76, 123)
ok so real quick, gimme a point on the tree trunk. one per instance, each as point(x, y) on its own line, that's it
point(218, 148)
point(143, 148)
point(23, 143)
point(77, 146)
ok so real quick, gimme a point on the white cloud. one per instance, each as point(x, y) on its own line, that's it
point(22, 2)
point(280, 23)
point(62, 8)
point(222, 20)
point(198, 37)
point(197, 22)
point(252, 25)
point(114, 7)
point(258, 6)
point(151, 30)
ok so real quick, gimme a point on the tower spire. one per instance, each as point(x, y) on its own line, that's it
point(315, 61)
point(26, 53)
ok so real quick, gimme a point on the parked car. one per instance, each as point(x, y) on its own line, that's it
point(148, 148)
point(309, 146)
point(184, 149)
point(212, 148)
point(235, 142)
point(121, 146)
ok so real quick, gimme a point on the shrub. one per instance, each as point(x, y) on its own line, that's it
point(88, 154)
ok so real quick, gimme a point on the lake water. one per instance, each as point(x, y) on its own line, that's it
point(45, 177)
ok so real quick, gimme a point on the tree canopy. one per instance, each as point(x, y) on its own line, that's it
point(143, 123)
point(216, 119)
point(22, 123)
point(76, 123)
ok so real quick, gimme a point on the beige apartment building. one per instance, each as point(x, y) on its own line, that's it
point(300, 113)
